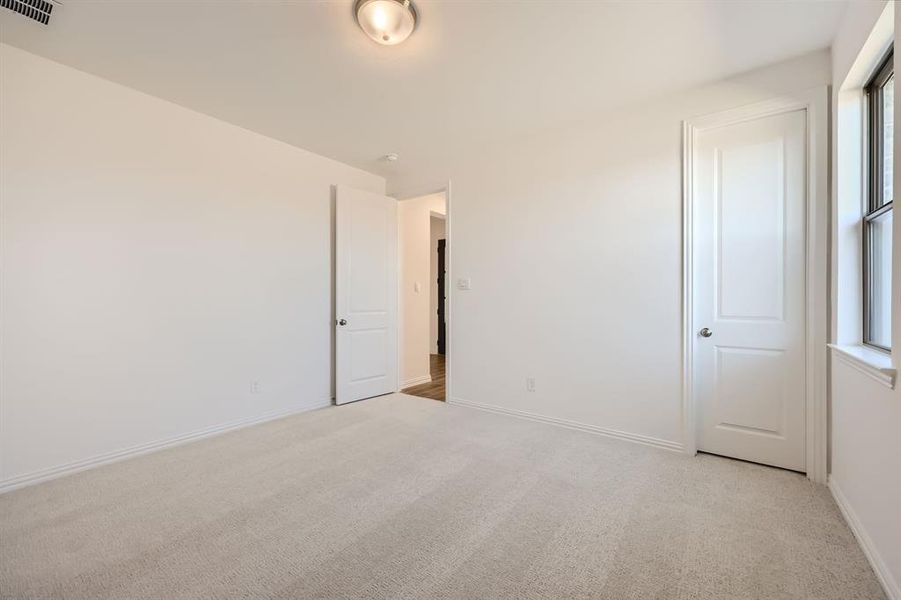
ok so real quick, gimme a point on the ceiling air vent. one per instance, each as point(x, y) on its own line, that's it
point(38, 10)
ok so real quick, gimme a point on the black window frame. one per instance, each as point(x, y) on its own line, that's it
point(876, 204)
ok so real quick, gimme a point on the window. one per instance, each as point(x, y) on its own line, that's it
point(877, 222)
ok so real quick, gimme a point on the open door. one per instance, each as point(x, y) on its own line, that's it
point(365, 295)
point(749, 288)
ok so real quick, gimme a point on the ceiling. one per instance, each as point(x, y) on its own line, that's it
point(473, 72)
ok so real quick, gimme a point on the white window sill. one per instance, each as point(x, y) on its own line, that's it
point(872, 363)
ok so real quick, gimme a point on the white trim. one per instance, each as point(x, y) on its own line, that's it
point(689, 435)
point(613, 433)
point(449, 293)
point(20, 481)
point(814, 103)
point(422, 379)
point(883, 574)
point(817, 284)
point(872, 363)
point(400, 309)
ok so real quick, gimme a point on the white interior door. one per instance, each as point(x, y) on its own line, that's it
point(365, 295)
point(749, 241)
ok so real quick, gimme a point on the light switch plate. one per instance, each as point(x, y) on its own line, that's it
point(464, 284)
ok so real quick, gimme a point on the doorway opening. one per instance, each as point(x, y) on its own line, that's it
point(422, 233)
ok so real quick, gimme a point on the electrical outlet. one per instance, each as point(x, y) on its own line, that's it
point(254, 387)
point(530, 384)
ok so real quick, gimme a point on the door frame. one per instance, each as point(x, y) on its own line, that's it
point(815, 103)
point(448, 291)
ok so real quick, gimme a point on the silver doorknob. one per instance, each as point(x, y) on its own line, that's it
point(705, 332)
point(342, 322)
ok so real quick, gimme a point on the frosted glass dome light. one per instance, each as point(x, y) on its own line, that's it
point(388, 22)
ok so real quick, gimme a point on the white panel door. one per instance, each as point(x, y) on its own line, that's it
point(365, 295)
point(750, 195)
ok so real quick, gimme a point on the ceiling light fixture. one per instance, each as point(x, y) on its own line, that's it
point(388, 22)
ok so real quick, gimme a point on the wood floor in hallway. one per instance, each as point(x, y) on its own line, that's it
point(434, 390)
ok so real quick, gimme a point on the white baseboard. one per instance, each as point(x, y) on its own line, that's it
point(622, 435)
point(869, 549)
point(20, 481)
point(416, 381)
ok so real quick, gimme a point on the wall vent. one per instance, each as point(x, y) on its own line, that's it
point(37, 10)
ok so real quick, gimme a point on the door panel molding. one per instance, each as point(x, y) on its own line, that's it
point(814, 103)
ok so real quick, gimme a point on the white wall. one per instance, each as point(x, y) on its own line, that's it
point(155, 263)
point(866, 465)
point(865, 415)
point(438, 227)
point(414, 233)
point(572, 241)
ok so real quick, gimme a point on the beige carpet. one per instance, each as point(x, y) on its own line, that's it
point(401, 497)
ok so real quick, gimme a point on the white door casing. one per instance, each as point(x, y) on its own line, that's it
point(365, 295)
point(749, 279)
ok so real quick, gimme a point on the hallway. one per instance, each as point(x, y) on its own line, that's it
point(435, 389)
